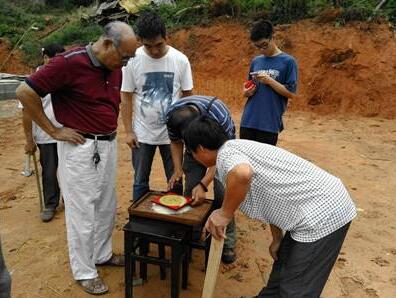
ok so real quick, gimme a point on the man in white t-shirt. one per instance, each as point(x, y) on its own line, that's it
point(48, 149)
point(154, 79)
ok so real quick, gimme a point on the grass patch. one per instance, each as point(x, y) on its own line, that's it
point(50, 25)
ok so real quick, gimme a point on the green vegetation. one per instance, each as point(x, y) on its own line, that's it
point(190, 12)
point(32, 26)
point(60, 20)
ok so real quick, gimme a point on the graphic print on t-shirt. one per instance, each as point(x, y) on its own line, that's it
point(157, 92)
point(273, 73)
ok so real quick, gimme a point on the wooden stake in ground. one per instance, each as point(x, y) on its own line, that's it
point(38, 182)
point(216, 249)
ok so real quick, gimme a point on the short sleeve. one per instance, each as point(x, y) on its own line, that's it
point(291, 76)
point(186, 76)
point(128, 81)
point(51, 77)
point(228, 159)
point(173, 133)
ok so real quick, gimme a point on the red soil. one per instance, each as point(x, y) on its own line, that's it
point(14, 63)
point(348, 70)
point(345, 70)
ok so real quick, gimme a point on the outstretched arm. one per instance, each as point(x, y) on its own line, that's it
point(126, 115)
point(237, 186)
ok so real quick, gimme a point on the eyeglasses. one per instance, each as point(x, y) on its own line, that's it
point(124, 58)
point(263, 45)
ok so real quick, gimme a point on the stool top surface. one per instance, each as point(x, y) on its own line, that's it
point(195, 216)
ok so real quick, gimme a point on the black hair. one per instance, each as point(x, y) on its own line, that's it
point(261, 29)
point(149, 25)
point(52, 49)
point(206, 132)
point(179, 118)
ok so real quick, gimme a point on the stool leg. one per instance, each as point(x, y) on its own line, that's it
point(190, 253)
point(161, 251)
point(133, 252)
point(143, 251)
point(175, 270)
point(128, 264)
point(186, 264)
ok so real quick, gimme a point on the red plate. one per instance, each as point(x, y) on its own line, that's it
point(157, 200)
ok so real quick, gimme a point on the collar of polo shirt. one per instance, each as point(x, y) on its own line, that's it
point(92, 57)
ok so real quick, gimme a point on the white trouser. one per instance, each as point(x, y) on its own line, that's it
point(90, 203)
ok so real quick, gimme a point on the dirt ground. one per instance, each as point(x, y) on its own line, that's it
point(359, 150)
point(325, 125)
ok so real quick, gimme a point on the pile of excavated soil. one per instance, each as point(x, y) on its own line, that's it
point(345, 70)
point(12, 63)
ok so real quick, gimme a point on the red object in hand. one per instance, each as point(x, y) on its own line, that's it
point(249, 84)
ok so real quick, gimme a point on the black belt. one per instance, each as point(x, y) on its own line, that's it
point(108, 137)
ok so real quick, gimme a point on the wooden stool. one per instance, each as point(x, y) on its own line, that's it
point(147, 231)
point(175, 231)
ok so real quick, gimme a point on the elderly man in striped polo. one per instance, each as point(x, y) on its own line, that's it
point(197, 176)
point(85, 83)
point(293, 195)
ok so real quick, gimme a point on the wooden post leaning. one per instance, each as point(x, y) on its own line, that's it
point(216, 249)
point(42, 205)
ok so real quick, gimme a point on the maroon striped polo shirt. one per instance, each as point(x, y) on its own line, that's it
point(85, 95)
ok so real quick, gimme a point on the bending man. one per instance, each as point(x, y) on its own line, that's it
point(198, 176)
point(293, 195)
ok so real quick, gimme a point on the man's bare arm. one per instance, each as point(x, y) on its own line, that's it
point(30, 145)
point(126, 115)
point(32, 105)
point(177, 158)
point(274, 84)
point(237, 186)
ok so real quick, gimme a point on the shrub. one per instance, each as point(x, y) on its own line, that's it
point(356, 10)
point(286, 11)
point(75, 33)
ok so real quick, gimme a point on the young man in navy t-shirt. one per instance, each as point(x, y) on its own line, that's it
point(274, 74)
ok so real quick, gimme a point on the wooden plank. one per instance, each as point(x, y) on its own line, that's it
point(216, 249)
point(42, 205)
point(193, 217)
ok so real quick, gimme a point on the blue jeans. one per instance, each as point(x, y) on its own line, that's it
point(142, 160)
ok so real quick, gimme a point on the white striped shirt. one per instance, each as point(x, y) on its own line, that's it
point(288, 191)
point(209, 105)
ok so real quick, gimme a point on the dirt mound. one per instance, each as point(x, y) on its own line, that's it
point(13, 64)
point(331, 56)
point(348, 70)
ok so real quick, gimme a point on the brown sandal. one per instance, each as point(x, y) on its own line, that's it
point(115, 260)
point(94, 286)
